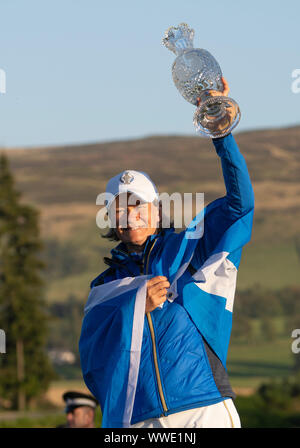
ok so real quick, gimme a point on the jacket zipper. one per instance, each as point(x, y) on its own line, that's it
point(150, 323)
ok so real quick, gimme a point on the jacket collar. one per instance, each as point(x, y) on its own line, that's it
point(121, 254)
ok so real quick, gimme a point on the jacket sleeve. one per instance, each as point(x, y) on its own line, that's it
point(239, 200)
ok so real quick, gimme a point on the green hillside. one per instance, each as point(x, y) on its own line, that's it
point(63, 182)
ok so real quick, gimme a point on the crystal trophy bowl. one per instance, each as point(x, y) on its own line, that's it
point(195, 74)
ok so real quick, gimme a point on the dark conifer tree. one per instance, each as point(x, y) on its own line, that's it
point(25, 371)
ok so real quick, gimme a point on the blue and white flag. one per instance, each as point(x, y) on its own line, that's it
point(112, 330)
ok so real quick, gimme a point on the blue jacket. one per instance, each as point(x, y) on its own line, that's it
point(181, 360)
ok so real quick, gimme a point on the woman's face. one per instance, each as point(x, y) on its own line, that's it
point(135, 220)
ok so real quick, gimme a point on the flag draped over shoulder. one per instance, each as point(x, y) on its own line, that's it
point(110, 346)
point(209, 299)
point(112, 330)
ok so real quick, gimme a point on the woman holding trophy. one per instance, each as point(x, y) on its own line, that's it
point(157, 322)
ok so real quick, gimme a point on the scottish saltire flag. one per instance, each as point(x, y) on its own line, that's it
point(209, 298)
point(112, 330)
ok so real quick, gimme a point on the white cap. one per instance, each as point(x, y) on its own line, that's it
point(130, 181)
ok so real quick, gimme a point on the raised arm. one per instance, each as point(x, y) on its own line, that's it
point(239, 199)
point(223, 212)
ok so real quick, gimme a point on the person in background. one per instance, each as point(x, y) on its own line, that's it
point(80, 410)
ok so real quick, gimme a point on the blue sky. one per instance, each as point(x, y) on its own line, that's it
point(89, 71)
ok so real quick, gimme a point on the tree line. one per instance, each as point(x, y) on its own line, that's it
point(25, 370)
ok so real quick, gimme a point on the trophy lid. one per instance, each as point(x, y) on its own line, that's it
point(178, 38)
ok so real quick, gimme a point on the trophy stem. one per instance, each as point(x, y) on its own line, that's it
point(216, 116)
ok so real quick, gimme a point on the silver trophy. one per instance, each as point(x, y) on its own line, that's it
point(195, 73)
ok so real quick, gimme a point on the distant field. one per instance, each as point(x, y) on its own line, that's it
point(269, 259)
point(33, 420)
point(63, 182)
point(250, 365)
point(273, 265)
point(39, 419)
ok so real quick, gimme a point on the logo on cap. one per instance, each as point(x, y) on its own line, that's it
point(126, 178)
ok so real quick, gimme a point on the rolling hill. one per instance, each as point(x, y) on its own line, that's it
point(63, 183)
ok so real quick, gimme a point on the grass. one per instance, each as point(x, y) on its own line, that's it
point(255, 414)
point(249, 365)
point(76, 285)
point(48, 420)
point(274, 266)
point(252, 411)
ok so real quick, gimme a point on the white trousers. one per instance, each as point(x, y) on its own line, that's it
point(219, 415)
